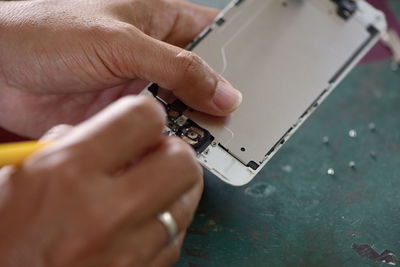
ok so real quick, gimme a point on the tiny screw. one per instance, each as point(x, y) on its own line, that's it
point(352, 164)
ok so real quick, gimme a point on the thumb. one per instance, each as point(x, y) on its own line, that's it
point(185, 74)
point(190, 20)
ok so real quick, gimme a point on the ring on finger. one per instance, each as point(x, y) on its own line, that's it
point(170, 225)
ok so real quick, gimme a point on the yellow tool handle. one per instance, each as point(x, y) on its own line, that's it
point(15, 153)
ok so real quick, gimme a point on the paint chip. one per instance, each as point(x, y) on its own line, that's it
point(260, 190)
point(353, 133)
point(287, 168)
point(325, 140)
point(352, 164)
point(372, 126)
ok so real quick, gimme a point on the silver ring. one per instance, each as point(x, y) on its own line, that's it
point(170, 225)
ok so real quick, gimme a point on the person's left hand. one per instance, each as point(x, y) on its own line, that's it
point(62, 61)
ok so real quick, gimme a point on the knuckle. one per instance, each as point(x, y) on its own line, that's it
point(149, 110)
point(180, 151)
point(60, 128)
point(100, 30)
point(122, 32)
point(170, 5)
point(64, 162)
point(56, 132)
point(114, 29)
point(190, 62)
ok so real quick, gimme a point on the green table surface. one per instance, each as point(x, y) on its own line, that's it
point(294, 213)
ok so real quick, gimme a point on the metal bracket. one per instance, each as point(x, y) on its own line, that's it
point(346, 8)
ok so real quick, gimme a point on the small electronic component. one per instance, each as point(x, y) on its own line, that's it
point(346, 8)
point(179, 125)
point(191, 133)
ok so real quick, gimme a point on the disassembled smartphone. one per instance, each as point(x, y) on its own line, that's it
point(285, 56)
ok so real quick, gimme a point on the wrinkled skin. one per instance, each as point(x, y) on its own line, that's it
point(61, 61)
point(92, 197)
point(81, 202)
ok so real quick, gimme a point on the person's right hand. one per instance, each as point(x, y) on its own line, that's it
point(91, 199)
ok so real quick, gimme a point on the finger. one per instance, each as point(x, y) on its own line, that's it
point(56, 132)
point(183, 210)
point(150, 238)
point(190, 20)
point(170, 254)
point(181, 71)
point(168, 172)
point(114, 137)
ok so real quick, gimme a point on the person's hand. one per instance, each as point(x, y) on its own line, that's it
point(91, 199)
point(61, 61)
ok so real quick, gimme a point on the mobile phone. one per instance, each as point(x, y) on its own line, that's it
point(285, 56)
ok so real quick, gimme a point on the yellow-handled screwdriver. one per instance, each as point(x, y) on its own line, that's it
point(16, 153)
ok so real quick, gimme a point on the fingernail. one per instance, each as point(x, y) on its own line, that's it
point(226, 97)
